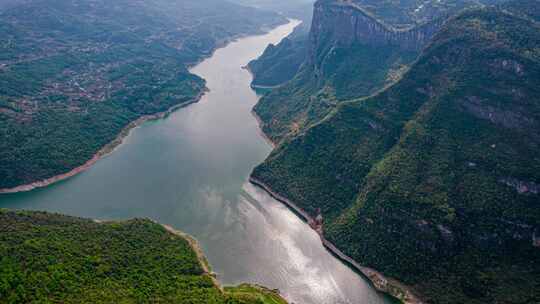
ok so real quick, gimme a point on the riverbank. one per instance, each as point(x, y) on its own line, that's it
point(261, 87)
point(110, 147)
point(134, 257)
point(268, 296)
point(197, 249)
point(106, 150)
point(195, 182)
point(261, 132)
point(379, 281)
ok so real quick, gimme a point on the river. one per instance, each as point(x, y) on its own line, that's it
point(190, 171)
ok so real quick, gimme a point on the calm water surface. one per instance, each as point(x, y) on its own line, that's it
point(190, 171)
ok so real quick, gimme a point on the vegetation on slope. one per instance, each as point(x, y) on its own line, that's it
point(49, 258)
point(73, 74)
point(280, 63)
point(340, 64)
point(358, 70)
point(357, 48)
point(435, 181)
point(405, 14)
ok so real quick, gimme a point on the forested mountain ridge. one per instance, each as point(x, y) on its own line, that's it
point(60, 259)
point(74, 74)
point(406, 14)
point(280, 63)
point(397, 17)
point(350, 53)
point(355, 48)
point(434, 180)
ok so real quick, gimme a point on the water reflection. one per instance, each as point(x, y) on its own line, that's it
point(190, 171)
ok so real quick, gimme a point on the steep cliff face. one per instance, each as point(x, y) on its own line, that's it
point(345, 30)
point(356, 48)
point(344, 23)
point(435, 180)
point(280, 63)
point(350, 54)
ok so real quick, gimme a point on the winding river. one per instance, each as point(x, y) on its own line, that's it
point(190, 171)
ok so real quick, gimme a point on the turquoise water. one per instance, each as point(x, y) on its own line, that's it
point(190, 171)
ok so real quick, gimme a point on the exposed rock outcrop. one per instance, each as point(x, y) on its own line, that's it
point(344, 23)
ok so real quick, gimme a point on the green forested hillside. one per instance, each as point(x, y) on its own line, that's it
point(355, 48)
point(73, 74)
point(49, 258)
point(435, 181)
point(359, 70)
point(407, 13)
point(351, 52)
point(280, 63)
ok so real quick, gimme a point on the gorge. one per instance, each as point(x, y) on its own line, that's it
point(404, 133)
point(196, 181)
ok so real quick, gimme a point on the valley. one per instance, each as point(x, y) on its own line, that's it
point(332, 151)
point(74, 76)
point(190, 171)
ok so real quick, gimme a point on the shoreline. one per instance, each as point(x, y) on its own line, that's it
point(382, 284)
point(104, 151)
point(198, 251)
point(254, 86)
point(248, 68)
point(260, 130)
point(115, 143)
point(205, 264)
point(379, 281)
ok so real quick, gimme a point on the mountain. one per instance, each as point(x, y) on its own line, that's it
point(434, 180)
point(280, 63)
point(406, 14)
point(355, 48)
point(59, 259)
point(350, 53)
point(363, 14)
point(75, 75)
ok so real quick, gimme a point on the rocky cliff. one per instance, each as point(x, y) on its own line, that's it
point(350, 53)
point(434, 180)
point(340, 26)
point(344, 23)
